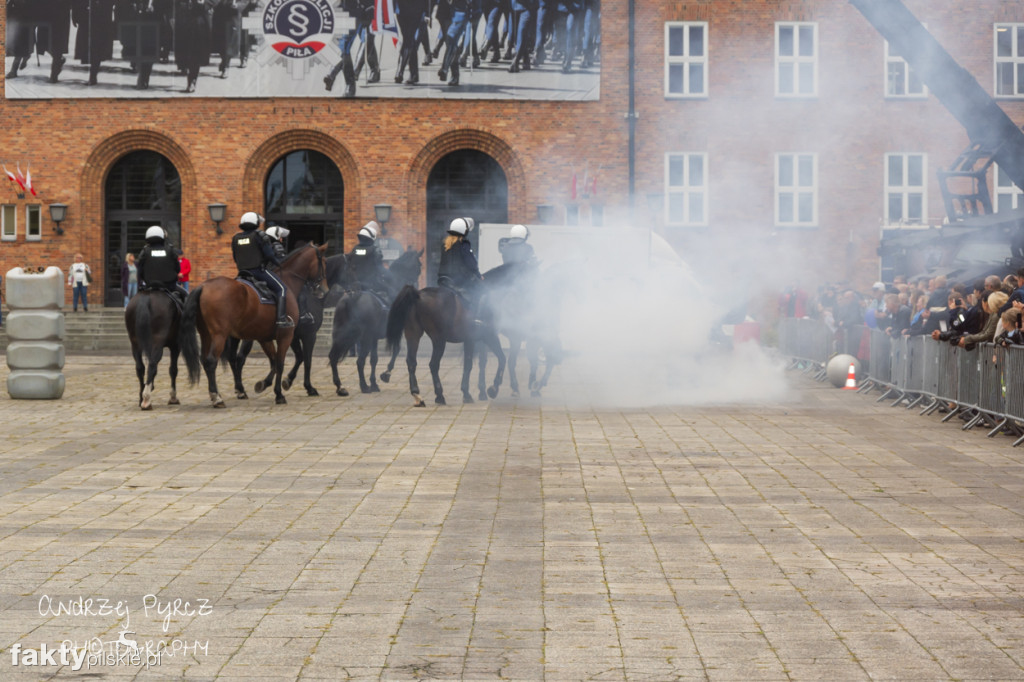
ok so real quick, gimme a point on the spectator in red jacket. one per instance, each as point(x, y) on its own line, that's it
point(186, 268)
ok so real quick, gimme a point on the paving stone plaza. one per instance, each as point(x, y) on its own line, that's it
point(823, 537)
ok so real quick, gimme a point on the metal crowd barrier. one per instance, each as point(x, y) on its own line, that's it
point(981, 386)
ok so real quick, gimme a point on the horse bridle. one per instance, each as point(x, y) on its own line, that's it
point(312, 285)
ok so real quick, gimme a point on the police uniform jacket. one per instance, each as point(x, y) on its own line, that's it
point(278, 248)
point(158, 265)
point(367, 261)
point(458, 265)
point(515, 250)
point(251, 250)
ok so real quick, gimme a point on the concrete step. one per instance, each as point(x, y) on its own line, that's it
point(103, 330)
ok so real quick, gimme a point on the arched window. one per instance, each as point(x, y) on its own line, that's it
point(466, 182)
point(305, 193)
point(142, 189)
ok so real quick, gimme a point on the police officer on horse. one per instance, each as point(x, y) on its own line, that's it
point(158, 264)
point(252, 251)
point(459, 270)
point(277, 236)
point(368, 262)
point(514, 249)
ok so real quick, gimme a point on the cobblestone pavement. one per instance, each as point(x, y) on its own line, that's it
point(822, 538)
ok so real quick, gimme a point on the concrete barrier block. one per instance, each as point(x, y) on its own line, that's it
point(35, 385)
point(35, 289)
point(35, 355)
point(35, 325)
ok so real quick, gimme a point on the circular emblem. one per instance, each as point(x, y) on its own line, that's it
point(298, 28)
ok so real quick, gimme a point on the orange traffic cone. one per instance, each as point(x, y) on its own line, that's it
point(851, 379)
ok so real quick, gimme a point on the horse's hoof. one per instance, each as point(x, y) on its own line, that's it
point(364, 389)
point(286, 383)
point(242, 396)
point(280, 400)
point(419, 403)
point(312, 392)
point(342, 392)
point(374, 388)
point(385, 377)
point(439, 400)
point(492, 392)
point(482, 396)
point(219, 404)
point(145, 407)
point(174, 401)
point(259, 387)
point(467, 399)
point(515, 393)
point(535, 393)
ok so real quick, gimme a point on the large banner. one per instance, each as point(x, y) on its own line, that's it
point(302, 48)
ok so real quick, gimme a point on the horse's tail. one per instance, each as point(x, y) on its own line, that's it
point(187, 336)
point(398, 314)
point(144, 324)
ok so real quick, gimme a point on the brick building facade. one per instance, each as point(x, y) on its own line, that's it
point(732, 138)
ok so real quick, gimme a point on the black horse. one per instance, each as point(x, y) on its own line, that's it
point(441, 314)
point(526, 305)
point(339, 276)
point(152, 320)
point(360, 319)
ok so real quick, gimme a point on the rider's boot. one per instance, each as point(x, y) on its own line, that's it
point(283, 320)
point(306, 317)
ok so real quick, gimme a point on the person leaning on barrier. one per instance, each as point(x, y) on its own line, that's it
point(989, 303)
point(1010, 333)
point(897, 317)
point(956, 319)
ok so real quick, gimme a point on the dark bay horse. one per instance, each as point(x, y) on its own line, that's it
point(526, 305)
point(360, 321)
point(152, 320)
point(222, 308)
point(439, 313)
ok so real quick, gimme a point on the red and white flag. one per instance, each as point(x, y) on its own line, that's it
point(28, 181)
point(384, 19)
point(14, 178)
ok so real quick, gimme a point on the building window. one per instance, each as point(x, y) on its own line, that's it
point(796, 190)
point(33, 223)
point(686, 59)
point(1008, 195)
point(905, 196)
point(796, 60)
point(1009, 60)
point(686, 189)
point(8, 222)
point(900, 79)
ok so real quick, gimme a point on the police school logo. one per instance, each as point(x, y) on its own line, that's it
point(298, 28)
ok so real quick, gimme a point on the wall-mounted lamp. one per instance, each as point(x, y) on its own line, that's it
point(58, 212)
point(545, 213)
point(382, 212)
point(217, 214)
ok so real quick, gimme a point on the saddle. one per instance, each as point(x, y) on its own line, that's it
point(173, 295)
point(262, 290)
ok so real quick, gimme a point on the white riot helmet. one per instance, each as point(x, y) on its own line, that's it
point(250, 218)
point(519, 232)
point(373, 228)
point(368, 232)
point(155, 232)
point(277, 232)
point(461, 226)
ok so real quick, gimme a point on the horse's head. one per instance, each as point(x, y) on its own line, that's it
point(308, 265)
point(407, 267)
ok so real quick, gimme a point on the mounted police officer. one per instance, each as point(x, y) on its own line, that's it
point(252, 251)
point(277, 236)
point(157, 264)
point(368, 262)
point(514, 249)
point(459, 270)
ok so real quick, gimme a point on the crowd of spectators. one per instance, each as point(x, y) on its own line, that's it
point(960, 313)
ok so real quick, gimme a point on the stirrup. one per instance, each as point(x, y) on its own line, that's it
point(307, 318)
point(285, 322)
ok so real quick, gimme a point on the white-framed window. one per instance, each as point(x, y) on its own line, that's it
point(796, 190)
point(1008, 195)
point(1009, 58)
point(8, 222)
point(906, 196)
point(686, 59)
point(796, 59)
point(686, 188)
point(900, 80)
point(33, 223)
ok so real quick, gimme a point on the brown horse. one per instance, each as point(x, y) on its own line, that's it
point(439, 313)
point(222, 308)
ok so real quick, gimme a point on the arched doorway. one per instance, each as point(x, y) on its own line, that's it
point(305, 193)
point(466, 182)
point(142, 189)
